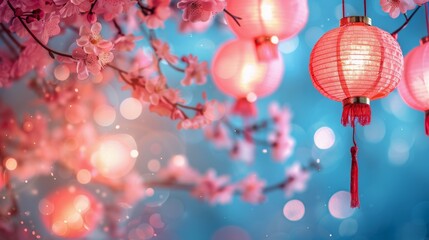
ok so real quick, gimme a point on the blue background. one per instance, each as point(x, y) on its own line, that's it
point(393, 156)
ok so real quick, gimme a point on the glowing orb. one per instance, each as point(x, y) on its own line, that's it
point(70, 212)
point(294, 210)
point(112, 157)
point(339, 205)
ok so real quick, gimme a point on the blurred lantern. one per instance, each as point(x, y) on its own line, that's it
point(268, 21)
point(414, 87)
point(356, 63)
point(70, 212)
point(237, 72)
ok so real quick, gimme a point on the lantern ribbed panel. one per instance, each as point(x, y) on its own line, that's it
point(414, 86)
point(236, 70)
point(281, 18)
point(356, 60)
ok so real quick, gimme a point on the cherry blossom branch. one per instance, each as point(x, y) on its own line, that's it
point(145, 10)
point(50, 51)
point(247, 131)
point(235, 18)
point(118, 28)
point(10, 35)
point(9, 45)
point(407, 20)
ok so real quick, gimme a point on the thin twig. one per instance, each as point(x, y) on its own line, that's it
point(118, 28)
point(51, 51)
point(406, 22)
point(10, 35)
point(235, 18)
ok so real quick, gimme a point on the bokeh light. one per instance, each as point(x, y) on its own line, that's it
point(61, 72)
point(84, 176)
point(131, 108)
point(112, 157)
point(104, 115)
point(294, 210)
point(70, 212)
point(11, 164)
point(324, 138)
point(339, 205)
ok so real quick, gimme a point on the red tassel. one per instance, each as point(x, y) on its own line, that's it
point(359, 111)
point(427, 123)
point(354, 179)
point(244, 108)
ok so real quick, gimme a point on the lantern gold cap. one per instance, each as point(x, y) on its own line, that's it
point(355, 19)
point(424, 40)
point(353, 100)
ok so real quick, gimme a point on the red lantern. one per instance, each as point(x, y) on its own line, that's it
point(414, 86)
point(356, 63)
point(70, 212)
point(237, 72)
point(268, 21)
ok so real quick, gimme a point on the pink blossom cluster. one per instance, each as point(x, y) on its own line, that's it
point(219, 190)
point(396, 7)
point(242, 142)
point(200, 10)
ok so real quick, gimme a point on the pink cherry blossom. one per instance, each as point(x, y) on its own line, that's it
point(47, 27)
point(214, 189)
point(218, 135)
point(421, 2)
point(281, 116)
point(90, 63)
point(113, 8)
point(243, 150)
point(178, 170)
point(73, 7)
point(162, 50)
point(91, 40)
point(160, 13)
point(252, 188)
point(282, 147)
point(198, 27)
point(395, 7)
point(133, 189)
point(297, 179)
point(200, 10)
point(195, 72)
point(33, 57)
point(127, 42)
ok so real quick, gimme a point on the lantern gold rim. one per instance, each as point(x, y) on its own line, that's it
point(355, 19)
point(353, 100)
point(424, 40)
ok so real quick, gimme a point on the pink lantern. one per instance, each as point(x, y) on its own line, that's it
point(70, 212)
point(268, 21)
point(356, 63)
point(414, 87)
point(237, 72)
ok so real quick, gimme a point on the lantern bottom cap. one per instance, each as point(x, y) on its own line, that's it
point(353, 100)
point(424, 40)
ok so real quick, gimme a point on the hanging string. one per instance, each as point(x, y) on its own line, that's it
point(344, 10)
point(427, 16)
point(364, 7)
point(354, 174)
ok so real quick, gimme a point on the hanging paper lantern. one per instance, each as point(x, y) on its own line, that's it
point(268, 21)
point(70, 212)
point(237, 72)
point(356, 63)
point(414, 86)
